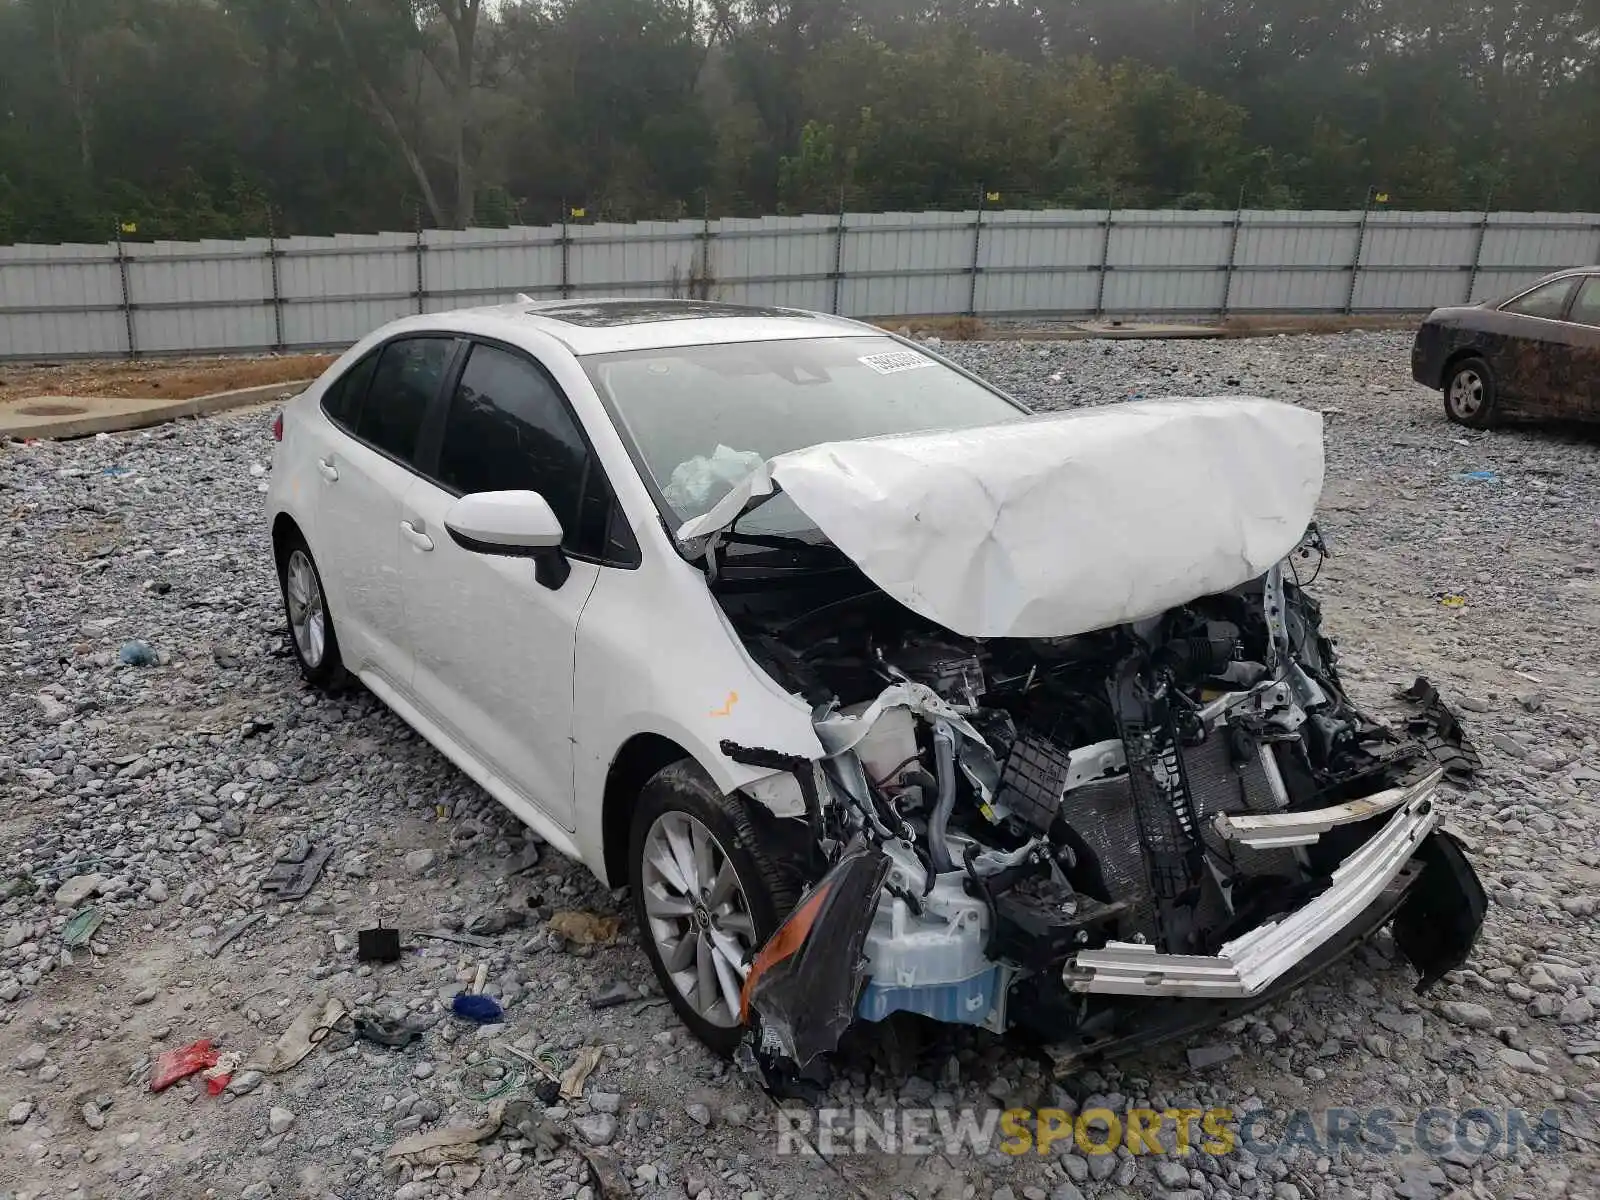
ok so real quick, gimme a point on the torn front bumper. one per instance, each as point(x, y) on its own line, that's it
point(1250, 964)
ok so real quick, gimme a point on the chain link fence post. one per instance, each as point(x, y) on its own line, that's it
point(1233, 255)
point(422, 280)
point(277, 287)
point(838, 254)
point(127, 293)
point(566, 252)
point(977, 246)
point(1361, 244)
point(1477, 250)
point(1105, 257)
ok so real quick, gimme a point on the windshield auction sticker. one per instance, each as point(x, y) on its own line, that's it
point(895, 361)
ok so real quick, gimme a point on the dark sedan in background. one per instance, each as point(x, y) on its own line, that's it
point(1536, 354)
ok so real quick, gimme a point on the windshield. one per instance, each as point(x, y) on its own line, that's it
point(701, 418)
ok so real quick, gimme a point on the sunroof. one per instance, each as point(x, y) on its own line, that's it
point(601, 313)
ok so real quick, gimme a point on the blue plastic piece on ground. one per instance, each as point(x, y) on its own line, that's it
point(137, 654)
point(482, 1009)
point(1479, 476)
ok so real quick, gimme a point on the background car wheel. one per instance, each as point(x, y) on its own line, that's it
point(705, 897)
point(1469, 394)
point(305, 608)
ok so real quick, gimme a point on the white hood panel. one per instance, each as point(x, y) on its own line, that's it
point(1062, 523)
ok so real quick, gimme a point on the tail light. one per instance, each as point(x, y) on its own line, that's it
point(277, 426)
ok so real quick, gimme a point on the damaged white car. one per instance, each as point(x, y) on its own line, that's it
point(881, 693)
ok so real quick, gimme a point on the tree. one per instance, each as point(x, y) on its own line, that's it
point(379, 40)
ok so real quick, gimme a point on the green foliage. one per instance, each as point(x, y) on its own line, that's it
point(224, 118)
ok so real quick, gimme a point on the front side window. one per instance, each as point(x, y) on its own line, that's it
point(508, 429)
point(1586, 309)
point(409, 374)
point(1549, 301)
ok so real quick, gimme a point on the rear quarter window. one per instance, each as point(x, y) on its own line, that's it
point(341, 400)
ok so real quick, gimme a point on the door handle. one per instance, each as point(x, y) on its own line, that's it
point(415, 536)
point(329, 471)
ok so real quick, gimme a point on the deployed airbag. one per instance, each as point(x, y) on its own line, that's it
point(1064, 523)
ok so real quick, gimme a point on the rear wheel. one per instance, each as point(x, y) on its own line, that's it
point(1469, 394)
point(705, 898)
point(305, 607)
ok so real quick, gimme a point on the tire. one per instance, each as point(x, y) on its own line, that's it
point(678, 798)
point(311, 632)
point(1470, 394)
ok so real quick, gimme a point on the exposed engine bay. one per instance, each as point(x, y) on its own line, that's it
point(1104, 839)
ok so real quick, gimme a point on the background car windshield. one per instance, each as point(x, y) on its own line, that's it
point(702, 417)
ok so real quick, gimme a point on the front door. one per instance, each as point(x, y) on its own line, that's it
point(1585, 328)
point(1528, 348)
point(493, 644)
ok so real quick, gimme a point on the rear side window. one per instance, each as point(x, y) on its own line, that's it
point(1549, 301)
point(342, 400)
point(508, 429)
point(408, 376)
point(1586, 310)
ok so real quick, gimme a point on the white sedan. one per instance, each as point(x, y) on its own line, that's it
point(880, 694)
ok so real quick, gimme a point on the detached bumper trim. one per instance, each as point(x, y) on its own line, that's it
point(1270, 831)
point(1248, 965)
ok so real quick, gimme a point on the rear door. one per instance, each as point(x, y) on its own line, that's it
point(1584, 320)
point(494, 637)
point(364, 476)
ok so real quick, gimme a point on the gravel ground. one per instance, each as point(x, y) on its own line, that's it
point(159, 795)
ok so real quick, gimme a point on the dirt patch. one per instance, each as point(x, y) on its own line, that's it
point(174, 379)
point(951, 329)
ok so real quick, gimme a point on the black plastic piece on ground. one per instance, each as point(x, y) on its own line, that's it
point(378, 945)
point(1438, 925)
point(292, 877)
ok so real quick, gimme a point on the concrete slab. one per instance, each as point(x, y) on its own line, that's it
point(54, 417)
point(1136, 330)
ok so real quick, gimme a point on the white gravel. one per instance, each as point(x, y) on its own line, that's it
point(160, 795)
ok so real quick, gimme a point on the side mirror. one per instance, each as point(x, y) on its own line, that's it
point(513, 524)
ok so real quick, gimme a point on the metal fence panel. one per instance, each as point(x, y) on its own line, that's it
point(303, 292)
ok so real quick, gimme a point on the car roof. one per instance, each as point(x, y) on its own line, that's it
point(607, 325)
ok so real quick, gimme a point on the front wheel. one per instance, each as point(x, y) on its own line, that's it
point(705, 898)
point(1469, 394)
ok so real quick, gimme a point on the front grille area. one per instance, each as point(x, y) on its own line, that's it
point(1104, 815)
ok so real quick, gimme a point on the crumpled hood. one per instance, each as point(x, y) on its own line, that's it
point(1062, 523)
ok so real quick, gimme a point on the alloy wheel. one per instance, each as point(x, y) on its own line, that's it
point(699, 915)
point(1466, 394)
point(308, 616)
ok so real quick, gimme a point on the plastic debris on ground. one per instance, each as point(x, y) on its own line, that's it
point(221, 942)
point(485, 1010)
point(218, 1074)
point(1451, 599)
point(299, 1039)
point(182, 1062)
point(81, 928)
point(1439, 730)
point(576, 1075)
point(498, 920)
point(586, 928)
point(295, 872)
point(136, 654)
point(379, 945)
point(1478, 477)
point(605, 1176)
